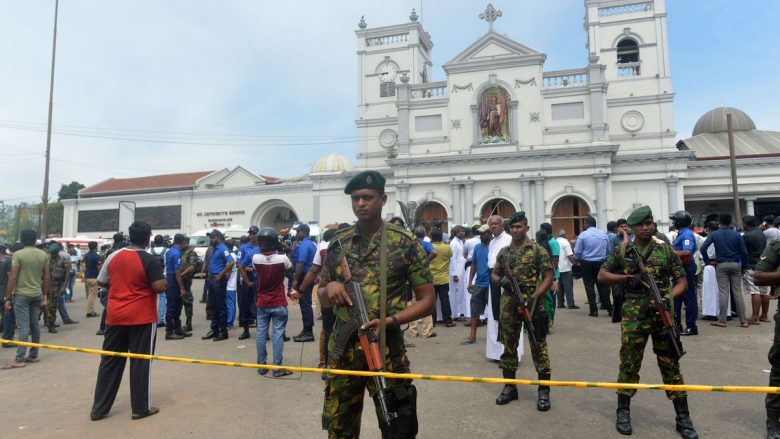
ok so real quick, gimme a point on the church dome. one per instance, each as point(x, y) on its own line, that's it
point(332, 164)
point(714, 121)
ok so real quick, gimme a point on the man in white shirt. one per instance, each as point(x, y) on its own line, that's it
point(566, 284)
point(457, 280)
point(494, 348)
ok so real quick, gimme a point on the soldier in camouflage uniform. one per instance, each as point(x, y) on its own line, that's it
point(59, 271)
point(406, 262)
point(189, 265)
point(640, 322)
point(529, 264)
point(767, 274)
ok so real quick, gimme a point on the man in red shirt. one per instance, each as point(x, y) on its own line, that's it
point(270, 267)
point(134, 279)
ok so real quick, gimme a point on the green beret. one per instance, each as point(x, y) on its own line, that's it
point(366, 180)
point(639, 215)
point(517, 216)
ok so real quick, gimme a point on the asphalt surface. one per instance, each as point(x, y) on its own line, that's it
point(53, 398)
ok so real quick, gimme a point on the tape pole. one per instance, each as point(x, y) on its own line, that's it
point(414, 376)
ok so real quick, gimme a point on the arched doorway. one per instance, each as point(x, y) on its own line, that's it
point(569, 214)
point(274, 213)
point(496, 206)
point(430, 213)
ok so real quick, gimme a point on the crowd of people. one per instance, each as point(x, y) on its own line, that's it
point(498, 275)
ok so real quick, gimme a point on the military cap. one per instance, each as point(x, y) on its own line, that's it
point(366, 180)
point(517, 216)
point(638, 215)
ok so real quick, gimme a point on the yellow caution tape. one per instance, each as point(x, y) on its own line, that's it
point(414, 376)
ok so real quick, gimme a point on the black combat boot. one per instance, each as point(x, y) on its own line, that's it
point(178, 329)
point(509, 393)
point(773, 424)
point(623, 422)
point(244, 335)
point(683, 419)
point(188, 326)
point(543, 403)
point(170, 331)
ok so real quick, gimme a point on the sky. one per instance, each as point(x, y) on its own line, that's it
point(161, 86)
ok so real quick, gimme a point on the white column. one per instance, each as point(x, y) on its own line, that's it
point(468, 202)
point(538, 202)
point(671, 194)
point(403, 192)
point(525, 203)
point(750, 206)
point(457, 206)
point(601, 200)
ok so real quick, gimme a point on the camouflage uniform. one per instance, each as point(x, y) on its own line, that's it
point(527, 264)
point(406, 261)
point(770, 261)
point(58, 272)
point(188, 259)
point(663, 264)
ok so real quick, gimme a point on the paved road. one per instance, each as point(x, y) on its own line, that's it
point(53, 398)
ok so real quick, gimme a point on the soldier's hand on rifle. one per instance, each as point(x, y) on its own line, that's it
point(635, 281)
point(375, 324)
point(335, 294)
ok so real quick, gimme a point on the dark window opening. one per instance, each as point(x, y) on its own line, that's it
point(627, 51)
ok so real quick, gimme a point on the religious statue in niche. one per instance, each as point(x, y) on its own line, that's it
point(494, 116)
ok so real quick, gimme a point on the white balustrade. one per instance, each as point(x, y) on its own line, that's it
point(575, 78)
point(633, 8)
point(387, 39)
point(433, 90)
point(628, 70)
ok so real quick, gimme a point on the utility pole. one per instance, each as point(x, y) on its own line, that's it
point(733, 156)
point(45, 198)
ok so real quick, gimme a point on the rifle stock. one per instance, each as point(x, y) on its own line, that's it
point(510, 283)
point(369, 341)
point(657, 303)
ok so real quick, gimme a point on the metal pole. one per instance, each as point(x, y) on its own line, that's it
point(733, 157)
point(45, 198)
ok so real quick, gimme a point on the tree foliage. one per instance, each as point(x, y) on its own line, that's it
point(69, 191)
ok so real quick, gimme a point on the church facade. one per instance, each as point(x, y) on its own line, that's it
point(500, 134)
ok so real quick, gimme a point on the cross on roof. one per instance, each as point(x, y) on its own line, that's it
point(490, 14)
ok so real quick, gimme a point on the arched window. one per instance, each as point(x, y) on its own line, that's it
point(628, 58)
point(627, 51)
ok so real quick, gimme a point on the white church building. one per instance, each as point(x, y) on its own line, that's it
point(500, 134)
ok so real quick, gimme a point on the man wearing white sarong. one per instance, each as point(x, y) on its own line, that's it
point(468, 253)
point(710, 305)
point(457, 280)
point(501, 239)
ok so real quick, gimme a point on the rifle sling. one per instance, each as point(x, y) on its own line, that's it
point(383, 289)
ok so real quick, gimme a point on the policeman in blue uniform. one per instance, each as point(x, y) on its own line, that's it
point(685, 247)
point(220, 266)
point(173, 330)
point(246, 280)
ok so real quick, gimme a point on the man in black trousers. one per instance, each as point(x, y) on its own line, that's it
point(591, 250)
point(134, 278)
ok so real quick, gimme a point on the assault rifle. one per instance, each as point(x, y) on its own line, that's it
point(510, 283)
point(369, 342)
point(657, 304)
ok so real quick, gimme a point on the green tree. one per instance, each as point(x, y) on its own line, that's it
point(69, 191)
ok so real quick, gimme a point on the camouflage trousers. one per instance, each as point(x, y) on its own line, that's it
point(187, 300)
point(53, 306)
point(511, 322)
point(343, 407)
point(634, 332)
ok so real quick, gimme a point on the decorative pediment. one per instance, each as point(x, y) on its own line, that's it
point(494, 48)
point(237, 178)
